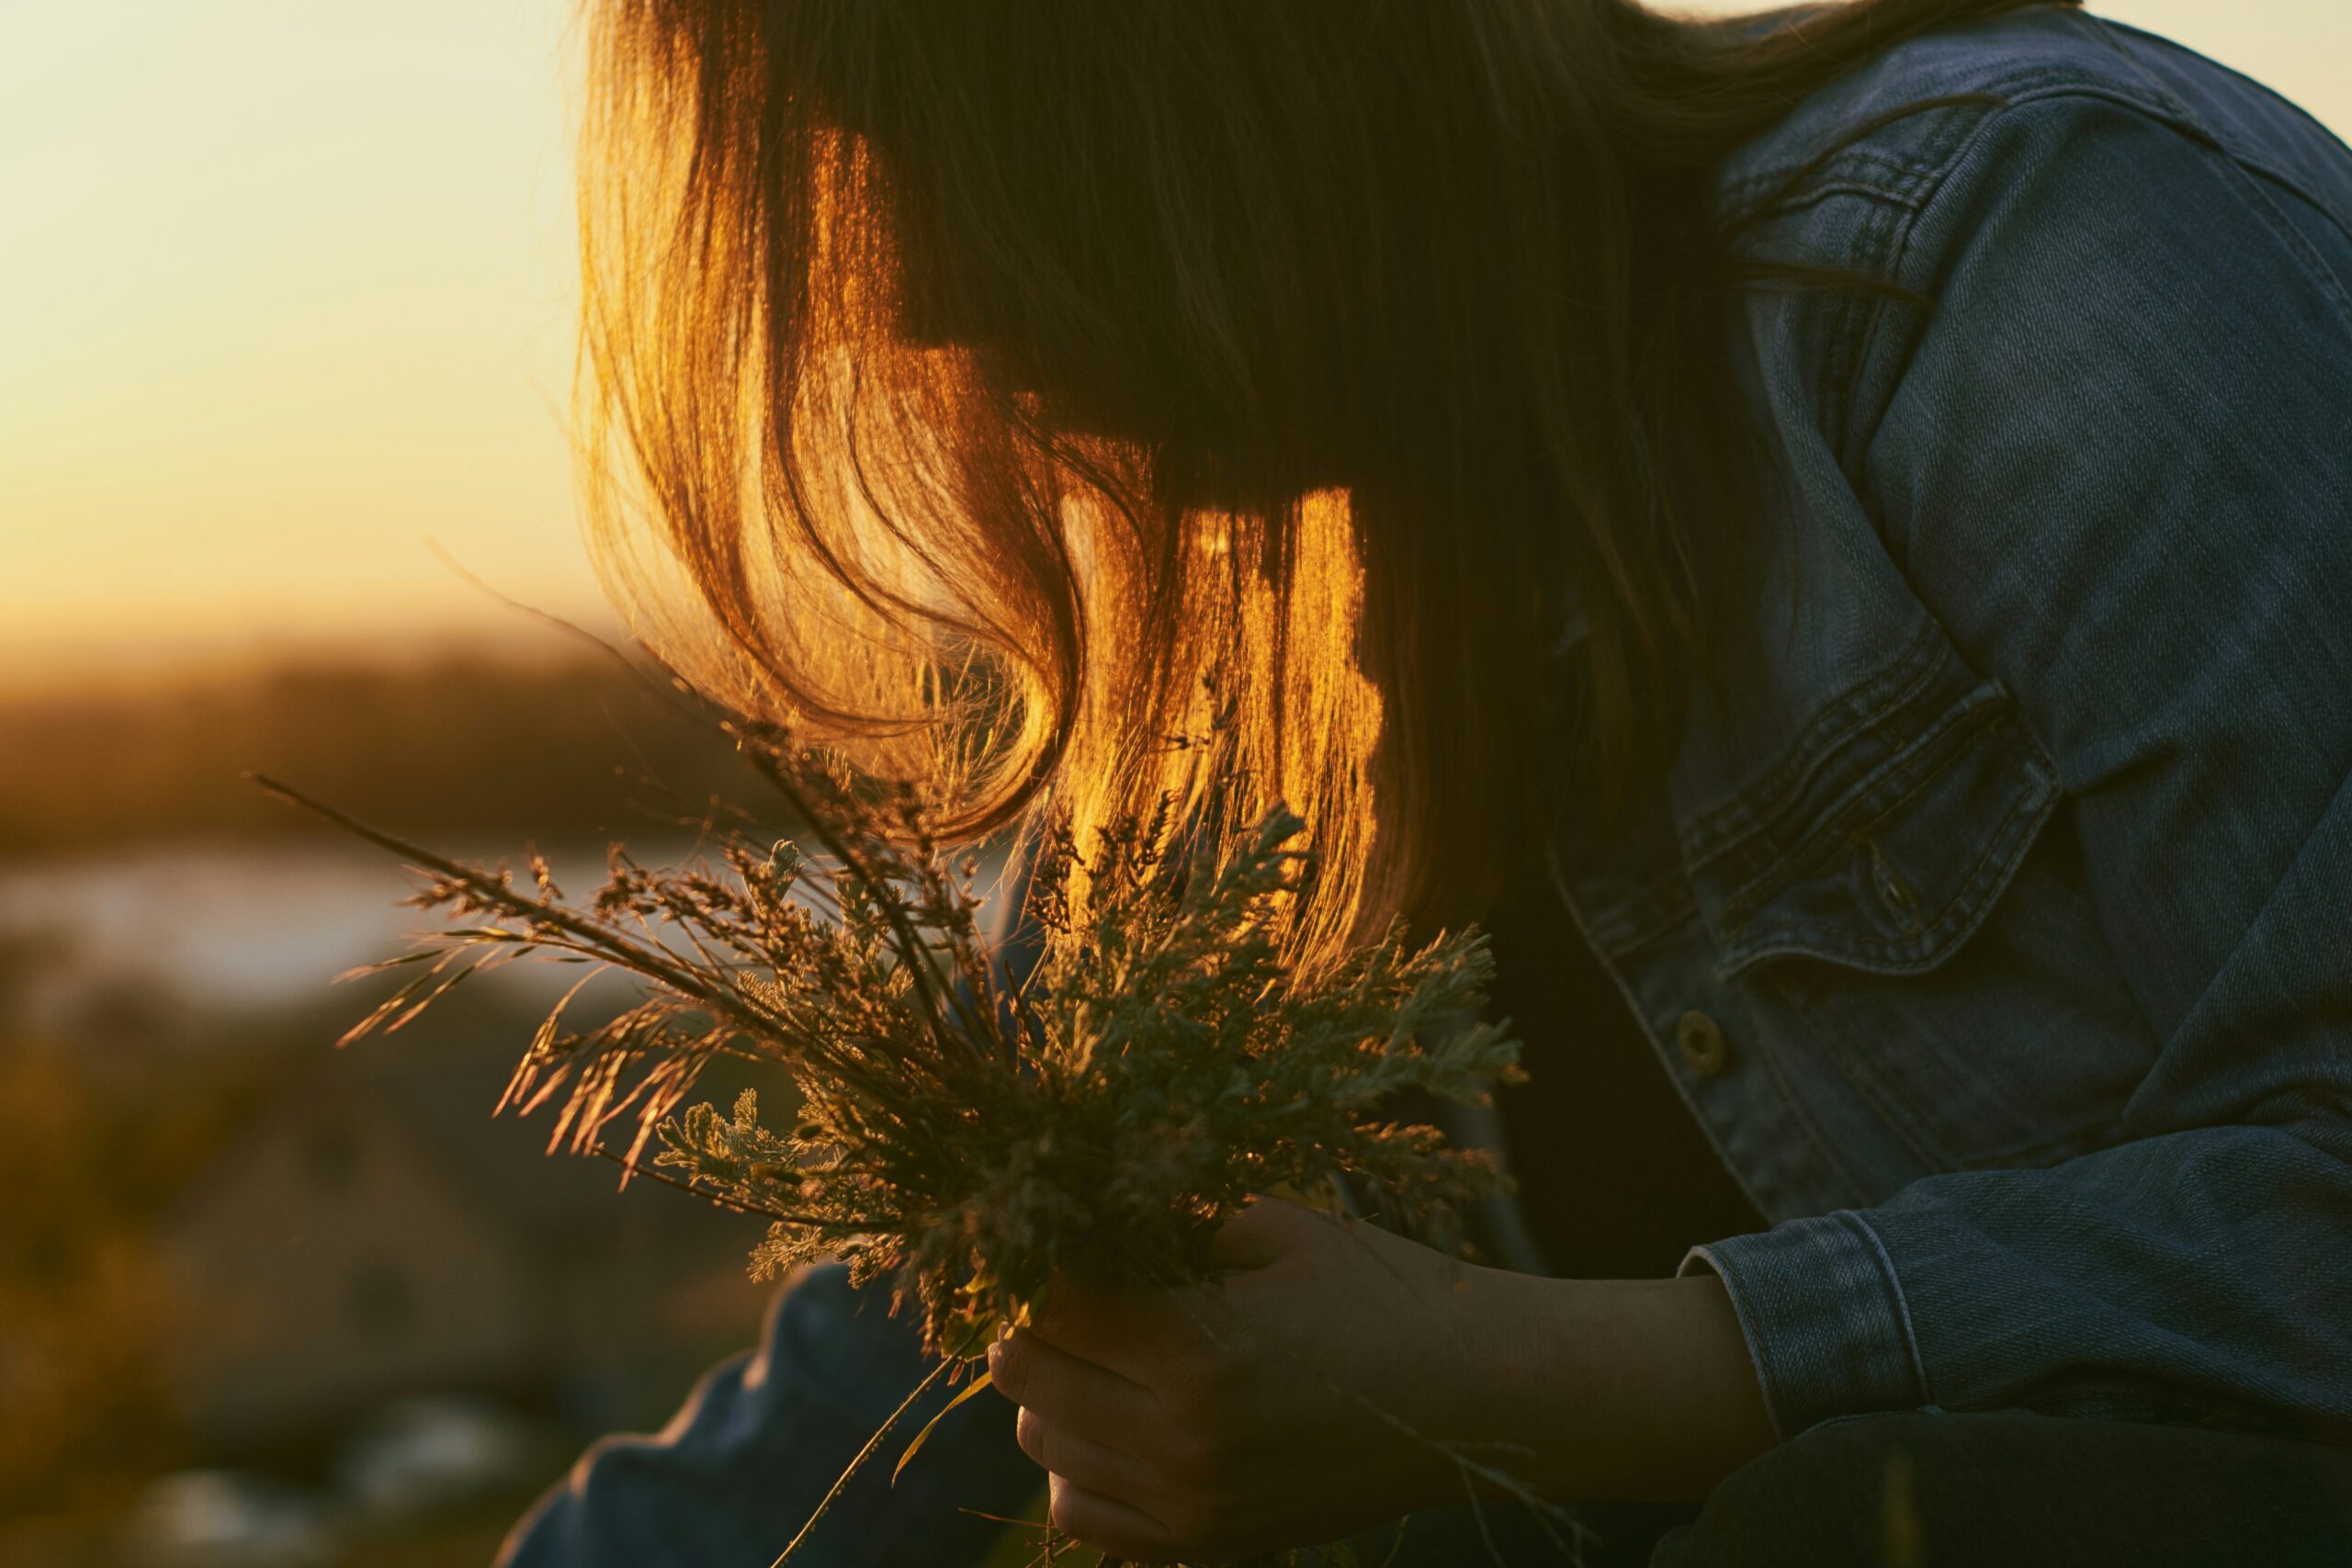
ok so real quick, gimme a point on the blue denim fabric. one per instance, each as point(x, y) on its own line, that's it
point(2015, 868)
point(743, 1465)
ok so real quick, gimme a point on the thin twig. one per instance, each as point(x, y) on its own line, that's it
point(652, 962)
point(912, 949)
point(645, 961)
point(864, 1454)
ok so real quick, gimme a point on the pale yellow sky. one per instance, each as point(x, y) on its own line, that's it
point(284, 290)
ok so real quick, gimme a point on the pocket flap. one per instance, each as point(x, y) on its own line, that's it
point(1893, 874)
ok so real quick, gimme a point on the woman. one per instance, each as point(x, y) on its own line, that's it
point(1835, 531)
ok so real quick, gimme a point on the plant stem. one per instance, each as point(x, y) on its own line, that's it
point(645, 960)
point(864, 1454)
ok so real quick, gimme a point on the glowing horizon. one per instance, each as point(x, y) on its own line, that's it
point(288, 292)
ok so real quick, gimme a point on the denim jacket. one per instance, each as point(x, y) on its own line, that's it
point(1996, 922)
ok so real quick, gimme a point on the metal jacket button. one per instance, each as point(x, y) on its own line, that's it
point(1702, 1043)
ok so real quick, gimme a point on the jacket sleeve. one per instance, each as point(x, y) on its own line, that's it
point(2117, 465)
point(749, 1458)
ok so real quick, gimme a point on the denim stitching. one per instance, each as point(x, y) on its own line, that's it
point(1863, 804)
point(1902, 1301)
point(1720, 830)
point(1736, 200)
point(1872, 800)
point(1979, 890)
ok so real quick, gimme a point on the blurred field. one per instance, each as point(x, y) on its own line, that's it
point(234, 1261)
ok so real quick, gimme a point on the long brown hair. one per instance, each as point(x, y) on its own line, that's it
point(1024, 392)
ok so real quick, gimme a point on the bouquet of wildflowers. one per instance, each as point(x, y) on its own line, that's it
point(938, 1120)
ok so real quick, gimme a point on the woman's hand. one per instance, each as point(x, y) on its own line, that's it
point(1323, 1384)
point(1292, 1403)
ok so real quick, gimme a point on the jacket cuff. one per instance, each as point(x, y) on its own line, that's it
point(1823, 1316)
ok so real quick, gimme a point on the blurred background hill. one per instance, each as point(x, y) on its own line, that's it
point(462, 742)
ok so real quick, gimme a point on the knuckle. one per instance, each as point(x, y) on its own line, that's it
point(1011, 1368)
point(1069, 1512)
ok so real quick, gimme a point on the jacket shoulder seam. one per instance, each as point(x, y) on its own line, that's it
point(1902, 178)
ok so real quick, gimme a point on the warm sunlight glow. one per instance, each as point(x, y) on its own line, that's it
point(288, 292)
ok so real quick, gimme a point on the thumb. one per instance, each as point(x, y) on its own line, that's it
point(1264, 1233)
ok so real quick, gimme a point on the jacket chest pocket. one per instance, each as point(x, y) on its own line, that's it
point(1909, 922)
point(1892, 871)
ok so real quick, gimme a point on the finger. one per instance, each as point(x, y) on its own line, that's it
point(1091, 1464)
point(1112, 1528)
point(1069, 1392)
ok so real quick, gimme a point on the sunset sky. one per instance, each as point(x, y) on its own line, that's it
point(286, 290)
